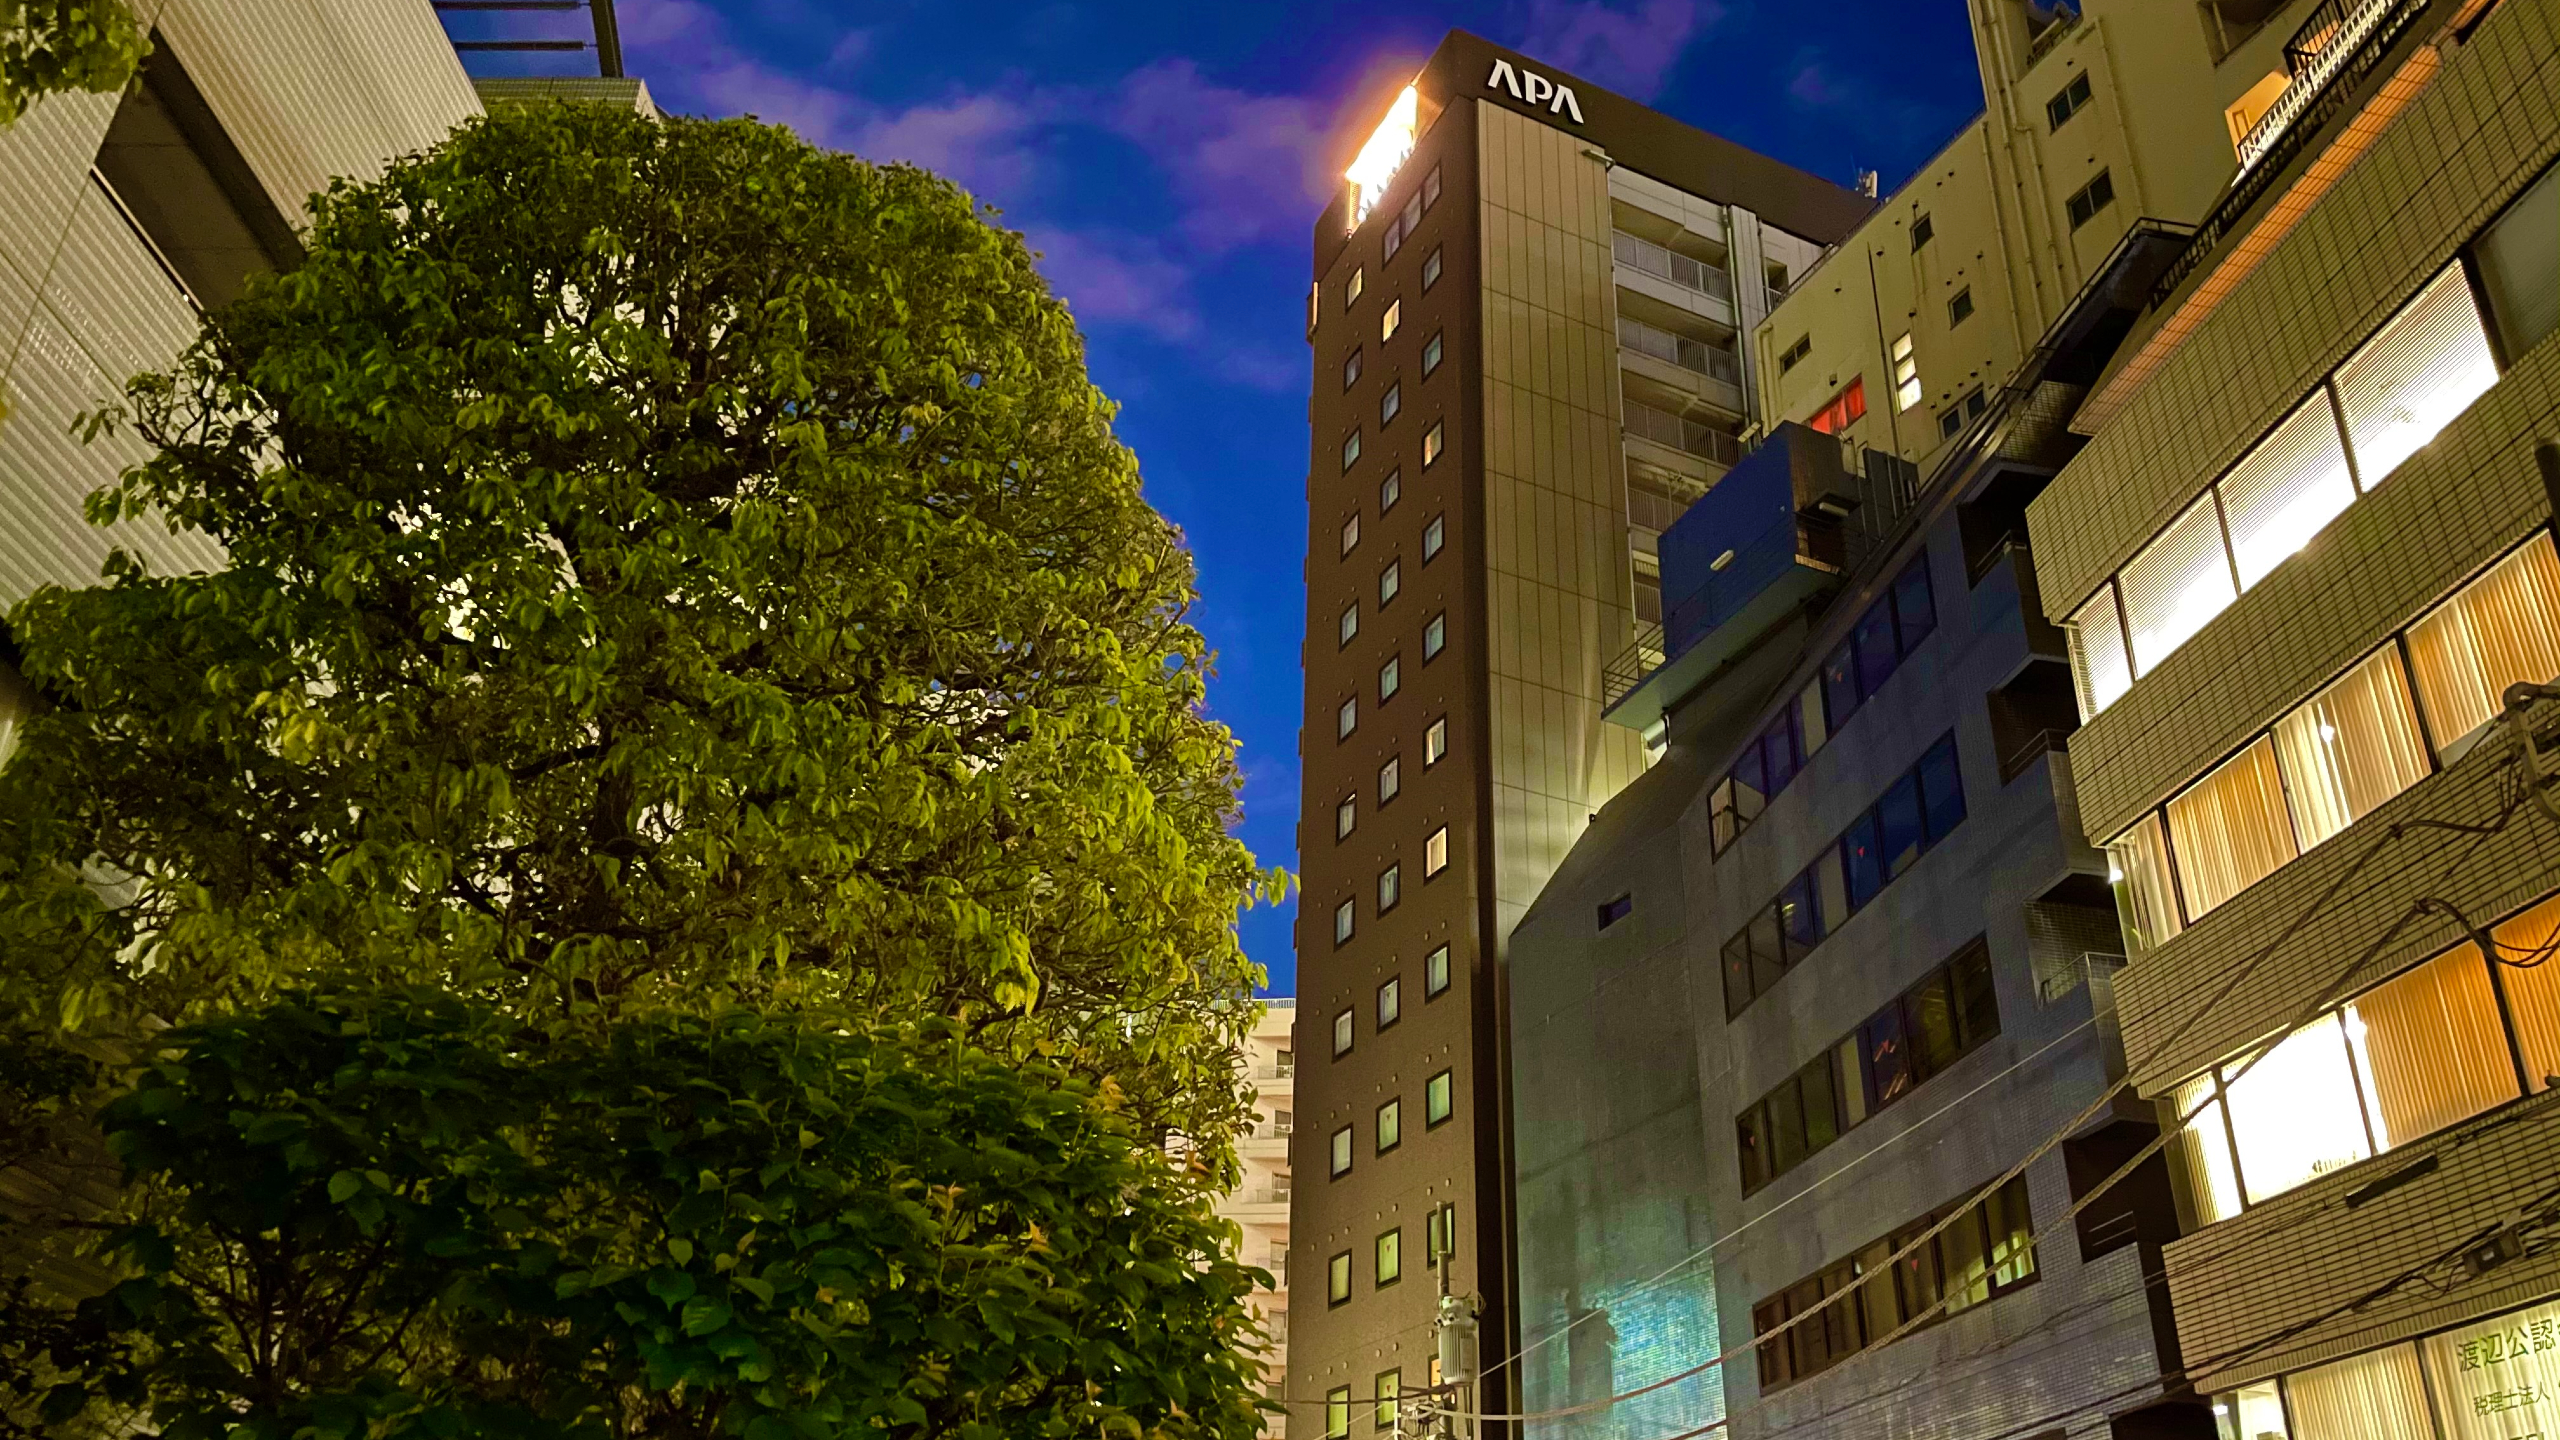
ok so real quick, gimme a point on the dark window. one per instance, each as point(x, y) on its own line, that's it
point(1862, 855)
point(1977, 1009)
point(1942, 786)
point(1778, 748)
point(1873, 640)
point(1431, 353)
point(1776, 1367)
point(1922, 232)
point(1899, 827)
point(1799, 917)
point(2089, 199)
point(1750, 783)
point(1950, 421)
point(1431, 268)
point(1915, 611)
point(2519, 264)
point(1431, 188)
point(1768, 951)
point(1821, 1103)
point(1351, 369)
point(1613, 911)
point(1794, 355)
point(1840, 686)
point(1888, 1053)
point(1737, 973)
point(2067, 104)
point(1963, 1269)
point(185, 187)
point(1931, 1014)
point(1786, 1129)
point(1916, 1278)
point(1960, 309)
point(1751, 1141)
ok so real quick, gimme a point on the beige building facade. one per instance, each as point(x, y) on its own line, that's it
point(1259, 1205)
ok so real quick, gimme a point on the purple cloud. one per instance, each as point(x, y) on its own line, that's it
point(1247, 167)
point(982, 141)
point(1119, 279)
point(1630, 51)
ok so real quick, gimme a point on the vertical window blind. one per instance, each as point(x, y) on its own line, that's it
point(2355, 745)
point(2231, 829)
point(2178, 583)
point(2502, 628)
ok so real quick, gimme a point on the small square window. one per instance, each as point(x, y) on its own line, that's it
point(1389, 785)
point(1390, 490)
point(1960, 309)
point(1435, 853)
point(1350, 449)
point(1435, 742)
point(1435, 972)
point(1390, 1270)
point(1431, 268)
point(1390, 678)
point(2067, 104)
point(1390, 888)
point(1435, 635)
point(1341, 1155)
point(1439, 1098)
point(1393, 320)
point(1346, 816)
point(1351, 533)
point(1431, 353)
point(1390, 1002)
point(1351, 292)
point(1337, 1288)
point(1387, 1393)
point(1351, 369)
point(1390, 1126)
point(1343, 920)
point(1346, 719)
point(2089, 199)
point(1951, 421)
point(1390, 404)
point(1921, 232)
point(1432, 444)
point(1431, 188)
point(1390, 583)
point(1613, 911)
point(1346, 627)
point(1341, 1034)
point(1794, 355)
point(1432, 535)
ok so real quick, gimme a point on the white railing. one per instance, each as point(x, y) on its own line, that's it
point(1664, 263)
point(1712, 361)
point(1664, 428)
point(2306, 85)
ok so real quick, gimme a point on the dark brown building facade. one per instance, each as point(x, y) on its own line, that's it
point(1526, 364)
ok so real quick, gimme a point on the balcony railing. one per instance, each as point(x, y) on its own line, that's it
point(1713, 361)
point(1664, 263)
point(1664, 428)
point(1274, 1072)
point(2314, 55)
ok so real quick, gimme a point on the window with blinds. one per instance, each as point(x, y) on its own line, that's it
point(2409, 381)
point(2145, 898)
point(2178, 583)
point(2098, 664)
point(2230, 829)
point(2351, 747)
point(2499, 629)
point(2370, 1397)
point(2285, 490)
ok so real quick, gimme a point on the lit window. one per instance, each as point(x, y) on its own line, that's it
point(1342, 923)
point(1341, 1156)
point(1922, 232)
point(1431, 268)
point(2500, 629)
point(1960, 308)
point(1347, 718)
point(1350, 449)
point(2230, 829)
point(2285, 489)
point(1435, 971)
point(1435, 635)
point(1431, 539)
point(1390, 888)
point(1431, 353)
point(2138, 867)
point(1390, 404)
point(1431, 188)
point(1435, 742)
point(1351, 292)
point(1390, 583)
point(1347, 626)
point(2089, 199)
point(2067, 104)
point(2409, 381)
point(2176, 585)
point(1435, 852)
point(1390, 490)
point(1390, 784)
point(1390, 322)
point(1439, 1098)
point(1390, 1133)
point(1390, 678)
point(1390, 1270)
point(2097, 653)
point(1351, 533)
point(1843, 409)
point(1337, 1401)
point(1342, 1033)
point(1351, 369)
point(1390, 1002)
point(1345, 815)
point(1432, 443)
point(2351, 747)
point(1794, 355)
point(1907, 390)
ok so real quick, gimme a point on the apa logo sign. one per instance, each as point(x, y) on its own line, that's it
point(1533, 88)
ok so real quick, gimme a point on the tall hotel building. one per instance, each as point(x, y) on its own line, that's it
point(1526, 321)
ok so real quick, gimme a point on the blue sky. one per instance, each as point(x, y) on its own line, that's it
point(1169, 161)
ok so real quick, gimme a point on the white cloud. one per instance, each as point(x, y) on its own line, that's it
point(1116, 278)
point(1247, 167)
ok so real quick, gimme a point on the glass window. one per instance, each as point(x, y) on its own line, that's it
point(1390, 1257)
point(1960, 309)
point(1874, 642)
point(1390, 583)
point(1351, 369)
point(1439, 1098)
point(1849, 1054)
point(1964, 1261)
point(1840, 685)
point(2138, 866)
point(1390, 1001)
point(1768, 950)
point(1431, 191)
point(1433, 440)
point(1390, 678)
point(1390, 888)
point(1930, 1011)
point(1351, 533)
point(2371, 1397)
point(1431, 538)
point(1862, 853)
point(1888, 1051)
point(2410, 380)
point(1345, 816)
point(1435, 971)
point(1350, 449)
point(1346, 718)
point(1392, 320)
point(2283, 491)
point(1810, 728)
point(1390, 404)
point(2520, 266)
point(2230, 829)
point(1899, 826)
point(1915, 609)
point(1431, 353)
point(1922, 232)
point(1346, 627)
point(1351, 291)
point(1435, 852)
point(2255, 1412)
point(1341, 1156)
point(2430, 1048)
point(1815, 1085)
point(1342, 923)
point(2204, 1152)
point(2533, 989)
point(1942, 788)
point(1799, 917)
point(1337, 1288)
point(2177, 584)
point(1435, 742)
point(1435, 635)
point(2499, 629)
point(2098, 660)
point(1431, 268)
point(1342, 1033)
point(2294, 1113)
point(1390, 490)
point(1750, 783)
point(2013, 1231)
point(1737, 974)
point(1786, 1129)
point(1907, 390)
point(1389, 1386)
point(2351, 747)
point(1390, 1131)
point(1777, 747)
point(2089, 199)
point(1976, 1004)
point(1831, 888)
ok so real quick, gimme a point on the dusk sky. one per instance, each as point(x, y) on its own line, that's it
point(1169, 160)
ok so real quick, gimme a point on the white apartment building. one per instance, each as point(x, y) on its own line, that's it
point(1260, 1202)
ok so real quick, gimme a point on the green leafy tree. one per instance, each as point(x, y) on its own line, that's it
point(671, 567)
point(366, 1215)
point(51, 46)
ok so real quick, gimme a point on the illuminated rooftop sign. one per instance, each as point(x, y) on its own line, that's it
point(1385, 153)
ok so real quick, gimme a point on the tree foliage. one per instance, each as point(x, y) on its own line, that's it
point(387, 1214)
point(51, 46)
point(671, 566)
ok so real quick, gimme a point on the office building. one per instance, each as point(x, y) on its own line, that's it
point(2303, 556)
point(1526, 318)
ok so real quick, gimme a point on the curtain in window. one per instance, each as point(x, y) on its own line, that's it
point(2176, 585)
point(2429, 1048)
point(2288, 487)
point(2409, 381)
point(2371, 1397)
point(2145, 901)
point(2499, 629)
point(2351, 747)
point(2529, 954)
point(2097, 654)
point(2230, 829)
point(2295, 1113)
point(2204, 1152)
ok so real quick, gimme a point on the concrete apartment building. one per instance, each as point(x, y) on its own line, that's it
point(1526, 319)
point(1259, 1205)
point(2305, 552)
